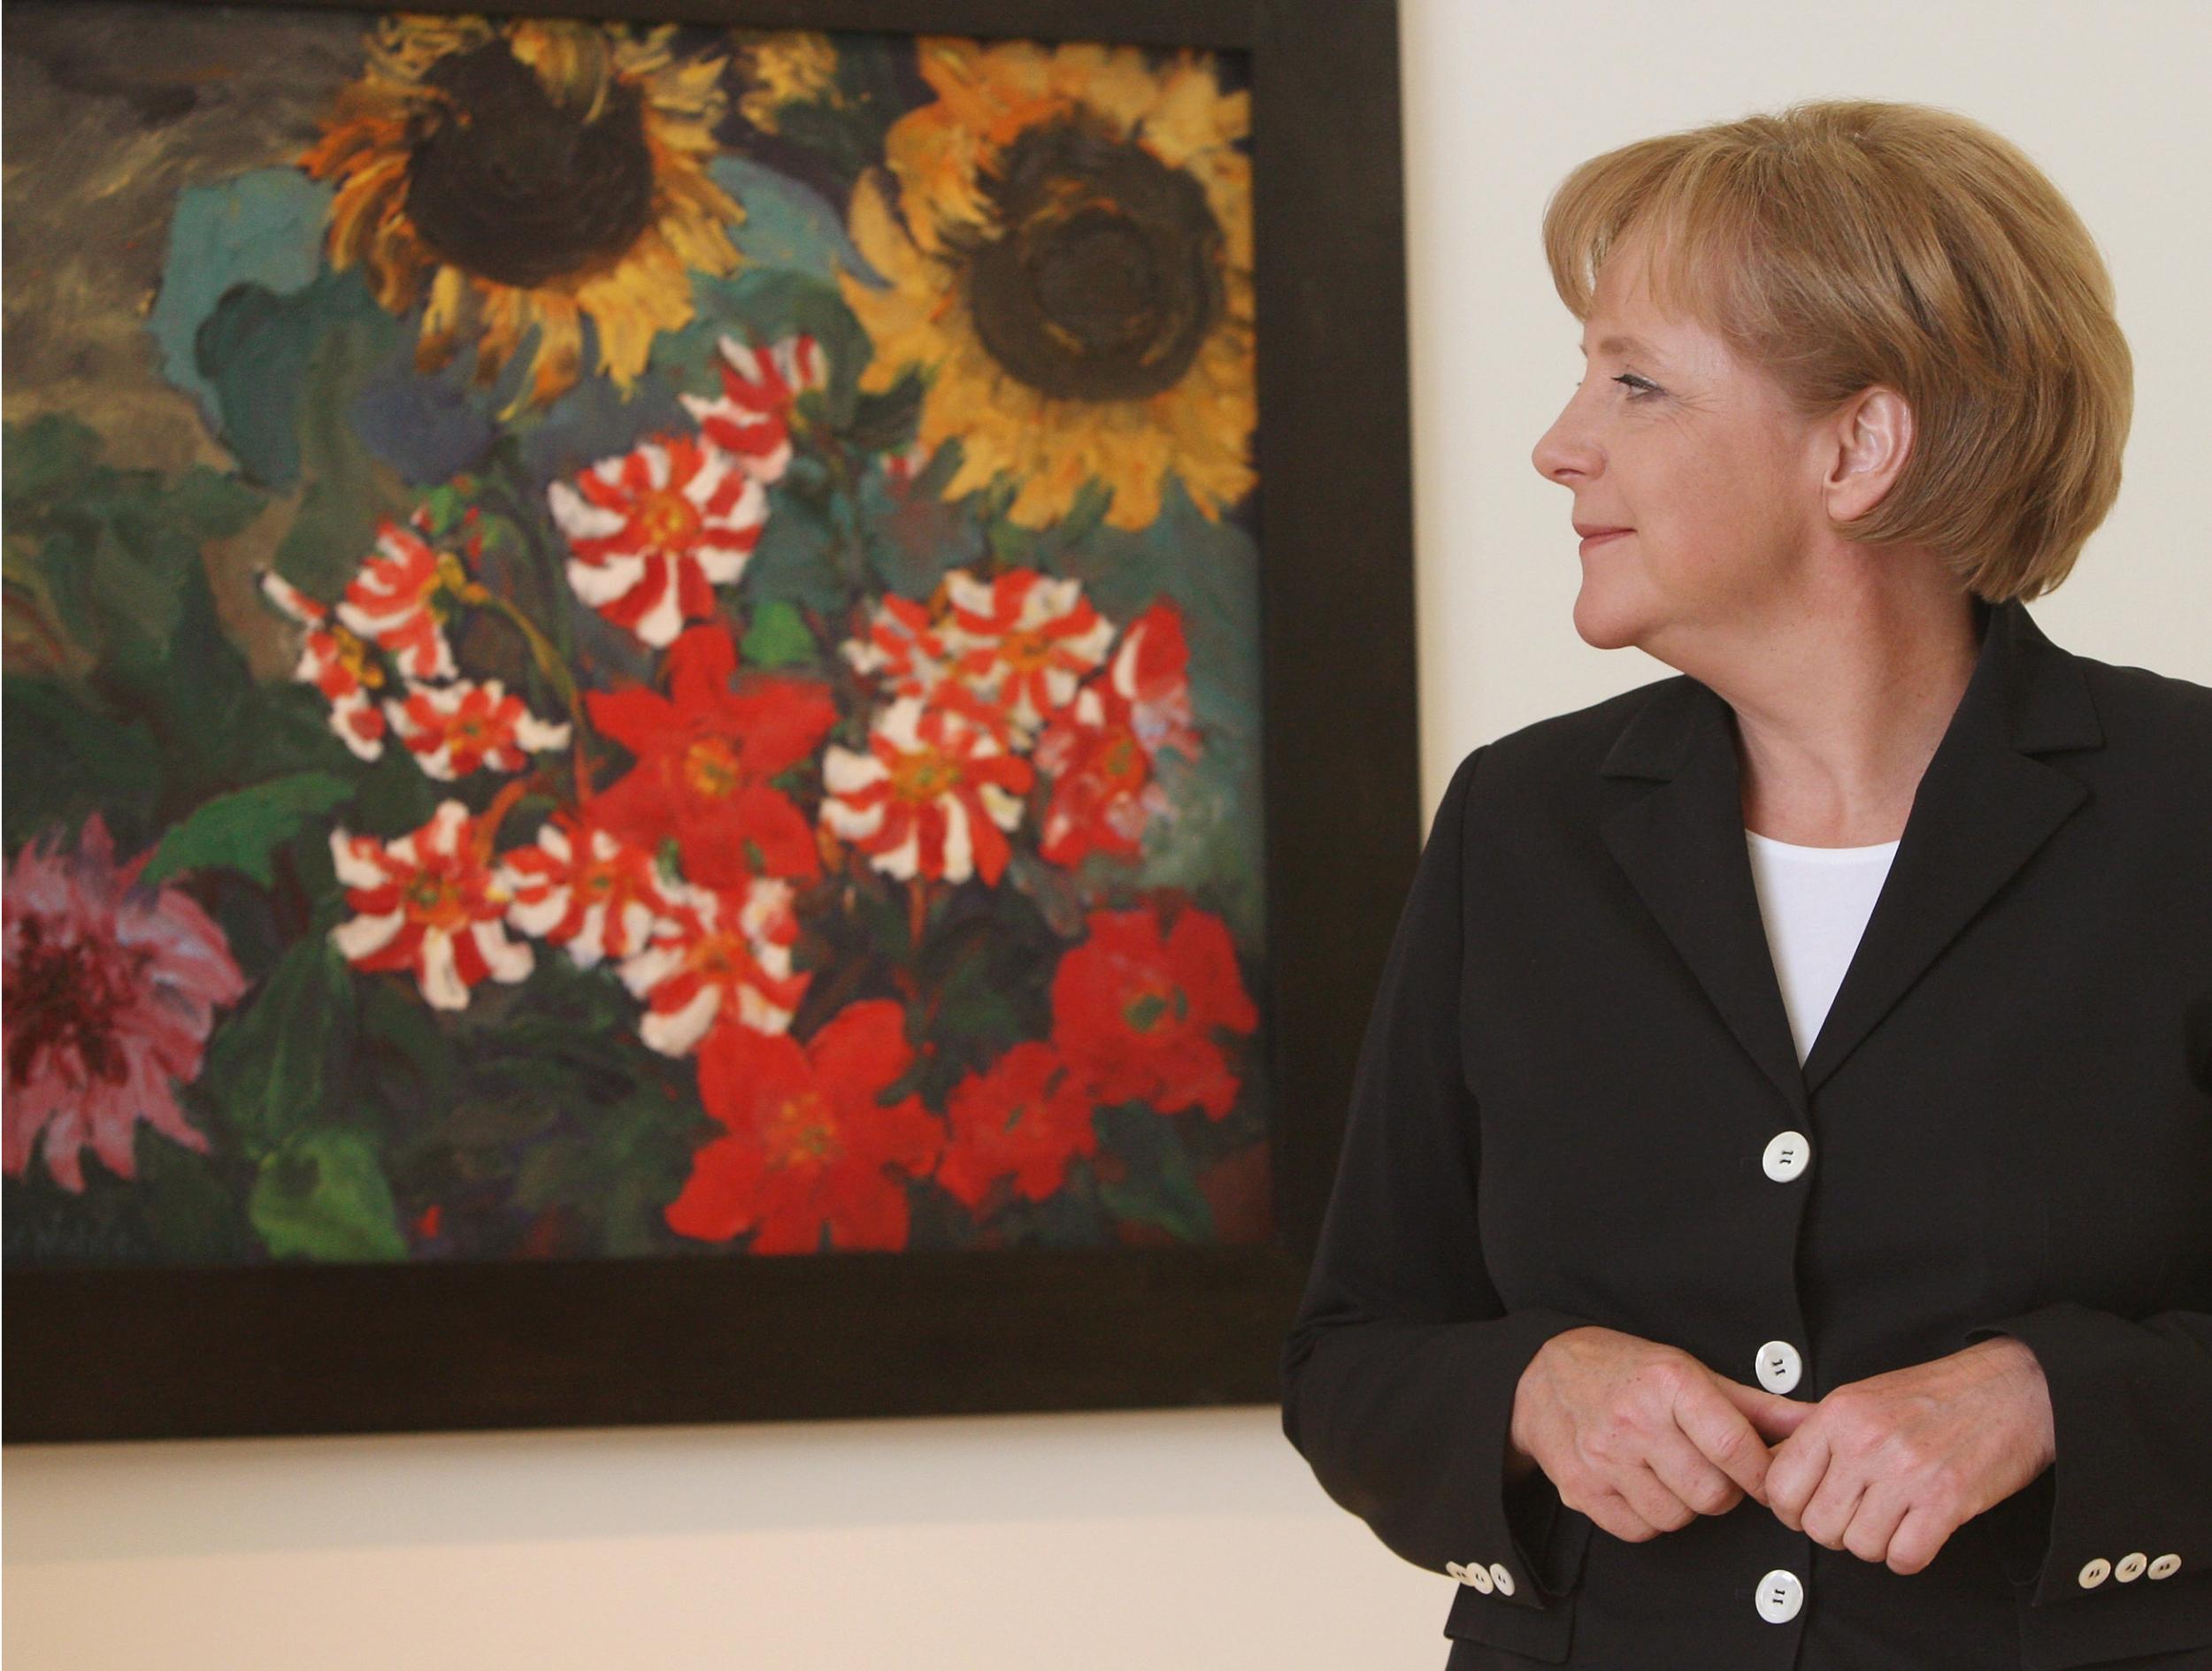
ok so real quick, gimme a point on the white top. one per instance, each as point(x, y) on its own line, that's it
point(1815, 902)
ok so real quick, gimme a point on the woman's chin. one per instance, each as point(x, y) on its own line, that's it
point(1604, 623)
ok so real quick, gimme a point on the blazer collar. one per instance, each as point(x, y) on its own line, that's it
point(1984, 806)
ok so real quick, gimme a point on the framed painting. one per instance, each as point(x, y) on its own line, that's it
point(658, 764)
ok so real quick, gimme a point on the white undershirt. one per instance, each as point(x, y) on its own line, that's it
point(1815, 902)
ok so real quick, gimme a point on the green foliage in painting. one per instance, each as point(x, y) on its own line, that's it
point(322, 1196)
point(241, 830)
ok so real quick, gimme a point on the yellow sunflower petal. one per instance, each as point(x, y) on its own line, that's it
point(442, 319)
point(1194, 116)
point(557, 360)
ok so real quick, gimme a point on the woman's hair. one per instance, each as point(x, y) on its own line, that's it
point(1842, 243)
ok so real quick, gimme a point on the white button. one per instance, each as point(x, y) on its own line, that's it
point(1778, 1366)
point(1786, 1155)
point(1456, 1570)
point(1479, 1575)
point(1501, 1578)
point(2165, 1565)
point(1780, 1595)
point(2095, 1573)
point(2131, 1567)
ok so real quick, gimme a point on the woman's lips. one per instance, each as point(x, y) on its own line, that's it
point(1600, 539)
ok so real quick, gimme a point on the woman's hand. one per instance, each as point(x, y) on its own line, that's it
point(1641, 1436)
point(1890, 1466)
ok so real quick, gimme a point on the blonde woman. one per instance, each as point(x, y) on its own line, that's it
point(1774, 1225)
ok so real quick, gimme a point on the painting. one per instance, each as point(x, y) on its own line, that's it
point(631, 641)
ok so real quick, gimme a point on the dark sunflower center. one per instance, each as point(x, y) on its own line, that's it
point(1101, 274)
point(509, 183)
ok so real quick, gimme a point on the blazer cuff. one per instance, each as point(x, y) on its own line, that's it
point(2129, 1563)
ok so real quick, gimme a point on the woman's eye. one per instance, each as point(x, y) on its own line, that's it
point(1638, 388)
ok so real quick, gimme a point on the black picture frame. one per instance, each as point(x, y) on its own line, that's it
point(292, 1349)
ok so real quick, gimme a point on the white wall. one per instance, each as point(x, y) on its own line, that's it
point(1170, 1539)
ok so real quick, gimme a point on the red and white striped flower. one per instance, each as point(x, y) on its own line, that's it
point(455, 729)
point(338, 662)
point(401, 599)
point(751, 421)
point(652, 532)
point(582, 887)
point(1024, 641)
point(901, 468)
point(428, 903)
point(930, 796)
point(717, 955)
point(903, 645)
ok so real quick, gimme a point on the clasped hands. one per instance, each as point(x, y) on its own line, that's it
point(1642, 1438)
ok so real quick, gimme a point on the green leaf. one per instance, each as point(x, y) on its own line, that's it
point(66, 760)
point(1160, 1187)
point(323, 1196)
point(119, 550)
point(274, 1068)
point(239, 832)
point(778, 637)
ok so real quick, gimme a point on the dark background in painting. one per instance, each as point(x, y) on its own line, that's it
point(295, 1349)
point(500, 1132)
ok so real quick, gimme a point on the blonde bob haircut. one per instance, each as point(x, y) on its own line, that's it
point(1838, 245)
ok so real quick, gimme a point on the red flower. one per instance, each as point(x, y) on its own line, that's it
point(704, 756)
point(110, 991)
point(930, 796)
point(401, 599)
point(1100, 749)
point(810, 1145)
point(654, 530)
point(903, 644)
point(582, 888)
point(337, 662)
point(1134, 1012)
point(1023, 641)
point(453, 729)
point(428, 903)
point(718, 957)
point(751, 421)
point(1027, 1115)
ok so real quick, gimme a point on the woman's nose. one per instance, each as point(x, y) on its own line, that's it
point(1561, 450)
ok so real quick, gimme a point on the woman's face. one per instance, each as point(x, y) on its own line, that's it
point(1670, 436)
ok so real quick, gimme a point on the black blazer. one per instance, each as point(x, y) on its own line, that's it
point(1577, 1060)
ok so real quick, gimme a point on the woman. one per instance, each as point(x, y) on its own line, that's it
point(1774, 1226)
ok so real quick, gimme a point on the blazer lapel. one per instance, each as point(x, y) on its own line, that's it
point(1983, 808)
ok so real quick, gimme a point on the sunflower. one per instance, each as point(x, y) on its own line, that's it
point(1074, 275)
point(528, 172)
point(785, 68)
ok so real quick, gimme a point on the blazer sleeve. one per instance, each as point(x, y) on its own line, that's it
point(1400, 1370)
point(2131, 1409)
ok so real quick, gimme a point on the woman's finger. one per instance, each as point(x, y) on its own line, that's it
point(1651, 1496)
point(1691, 1476)
point(1709, 1416)
point(1613, 1512)
point(1873, 1529)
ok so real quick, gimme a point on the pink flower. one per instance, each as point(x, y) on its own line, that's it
point(111, 991)
point(752, 422)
